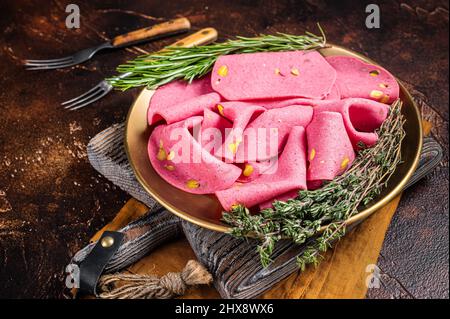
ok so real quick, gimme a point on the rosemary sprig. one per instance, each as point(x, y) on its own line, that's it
point(301, 218)
point(174, 63)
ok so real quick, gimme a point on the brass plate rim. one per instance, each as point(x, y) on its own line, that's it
point(363, 214)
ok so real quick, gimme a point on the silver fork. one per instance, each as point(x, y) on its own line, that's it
point(94, 94)
point(74, 59)
point(204, 36)
point(154, 32)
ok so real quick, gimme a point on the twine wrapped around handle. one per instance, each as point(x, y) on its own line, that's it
point(151, 286)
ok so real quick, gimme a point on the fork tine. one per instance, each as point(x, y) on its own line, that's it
point(47, 61)
point(92, 100)
point(51, 66)
point(82, 95)
point(48, 64)
point(55, 64)
point(86, 98)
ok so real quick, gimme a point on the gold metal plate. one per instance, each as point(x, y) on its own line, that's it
point(205, 210)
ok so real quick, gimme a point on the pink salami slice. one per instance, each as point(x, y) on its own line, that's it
point(270, 104)
point(361, 117)
point(212, 119)
point(272, 75)
point(289, 175)
point(313, 185)
point(213, 131)
point(253, 170)
point(266, 135)
point(182, 110)
point(282, 198)
point(240, 114)
point(179, 159)
point(330, 151)
point(335, 94)
point(179, 91)
point(356, 78)
point(283, 102)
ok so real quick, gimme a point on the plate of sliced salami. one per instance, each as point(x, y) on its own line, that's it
point(260, 127)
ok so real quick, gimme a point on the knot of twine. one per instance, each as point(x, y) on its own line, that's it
point(134, 286)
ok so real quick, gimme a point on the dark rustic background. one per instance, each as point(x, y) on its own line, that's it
point(52, 201)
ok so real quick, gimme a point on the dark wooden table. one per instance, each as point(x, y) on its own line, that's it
point(52, 201)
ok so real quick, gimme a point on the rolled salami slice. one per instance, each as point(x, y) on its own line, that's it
point(213, 131)
point(335, 94)
point(180, 91)
point(313, 185)
point(361, 117)
point(272, 75)
point(180, 160)
point(240, 114)
point(282, 102)
point(253, 170)
point(356, 78)
point(266, 135)
point(282, 198)
point(289, 175)
point(212, 119)
point(330, 151)
point(182, 110)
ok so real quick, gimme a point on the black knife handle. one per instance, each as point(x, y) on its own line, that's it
point(140, 237)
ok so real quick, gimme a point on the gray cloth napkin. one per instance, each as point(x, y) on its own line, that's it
point(106, 152)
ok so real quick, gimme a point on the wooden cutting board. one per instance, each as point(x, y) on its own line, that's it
point(342, 274)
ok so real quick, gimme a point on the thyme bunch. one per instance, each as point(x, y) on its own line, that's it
point(154, 70)
point(327, 208)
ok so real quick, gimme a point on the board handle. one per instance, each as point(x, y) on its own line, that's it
point(154, 32)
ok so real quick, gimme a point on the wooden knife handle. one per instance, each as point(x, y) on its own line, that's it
point(202, 37)
point(154, 32)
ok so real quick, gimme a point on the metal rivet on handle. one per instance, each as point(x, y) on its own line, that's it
point(107, 241)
